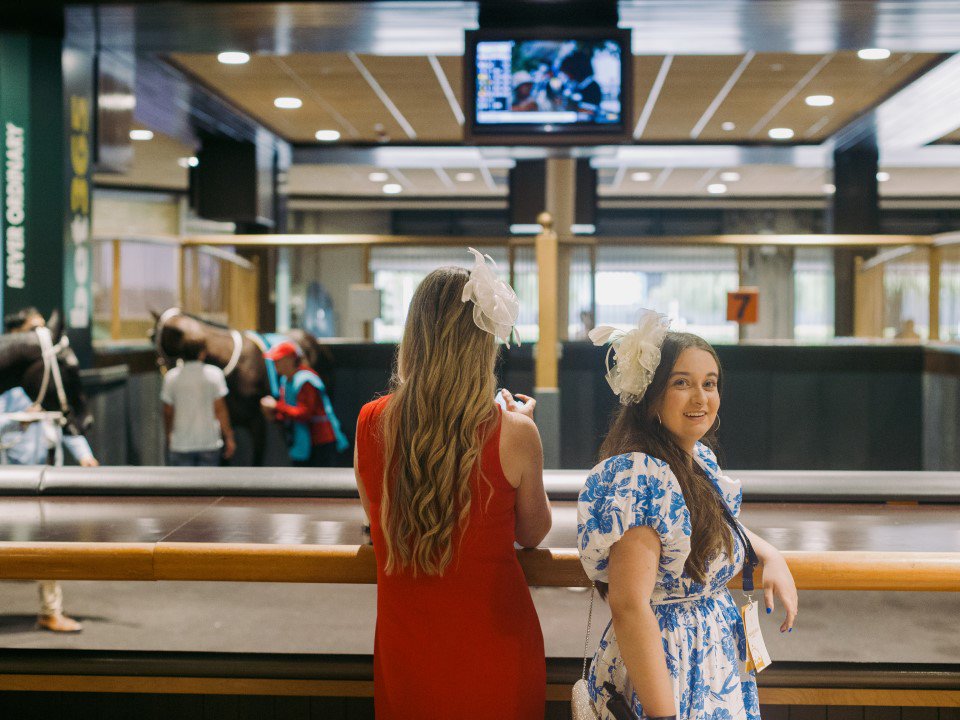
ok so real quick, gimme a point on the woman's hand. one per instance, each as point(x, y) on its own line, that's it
point(778, 582)
point(513, 406)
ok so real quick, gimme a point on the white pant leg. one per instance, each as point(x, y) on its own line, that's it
point(51, 598)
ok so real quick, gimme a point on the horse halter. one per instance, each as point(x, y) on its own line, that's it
point(163, 360)
point(51, 368)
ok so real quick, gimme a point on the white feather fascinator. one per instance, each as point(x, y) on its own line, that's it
point(495, 304)
point(636, 354)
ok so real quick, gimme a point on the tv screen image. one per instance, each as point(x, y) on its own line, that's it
point(566, 83)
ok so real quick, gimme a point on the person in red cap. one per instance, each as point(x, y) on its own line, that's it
point(314, 437)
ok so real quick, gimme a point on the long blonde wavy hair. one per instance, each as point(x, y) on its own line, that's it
point(435, 425)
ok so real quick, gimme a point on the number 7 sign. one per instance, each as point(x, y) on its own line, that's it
point(743, 304)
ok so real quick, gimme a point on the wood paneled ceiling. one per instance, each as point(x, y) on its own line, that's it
point(678, 99)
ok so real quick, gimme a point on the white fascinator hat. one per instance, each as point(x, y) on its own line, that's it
point(634, 352)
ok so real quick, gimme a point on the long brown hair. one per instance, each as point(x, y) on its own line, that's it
point(637, 428)
point(435, 425)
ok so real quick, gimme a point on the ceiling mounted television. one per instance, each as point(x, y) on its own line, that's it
point(565, 86)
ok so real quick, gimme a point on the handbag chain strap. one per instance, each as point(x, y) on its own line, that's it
point(586, 640)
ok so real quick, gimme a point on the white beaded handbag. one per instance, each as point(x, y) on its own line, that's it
point(581, 705)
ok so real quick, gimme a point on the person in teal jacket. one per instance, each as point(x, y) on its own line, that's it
point(314, 437)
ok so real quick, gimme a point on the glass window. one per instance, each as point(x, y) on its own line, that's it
point(148, 281)
point(397, 271)
point(688, 283)
point(906, 290)
point(813, 291)
point(950, 294)
point(526, 283)
point(580, 289)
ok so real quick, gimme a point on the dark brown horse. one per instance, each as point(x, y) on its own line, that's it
point(240, 356)
point(22, 365)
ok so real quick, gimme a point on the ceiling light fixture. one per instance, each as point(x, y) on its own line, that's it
point(378, 177)
point(829, 188)
point(873, 54)
point(730, 176)
point(883, 176)
point(780, 133)
point(716, 188)
point(141, 135)
point(819, 100)
point(464, 176)
point(288, 103)
point(233, 58)
point(392, 188)
point(728, 126)
point(327, 135)
point(188, 162)
point(642, 176)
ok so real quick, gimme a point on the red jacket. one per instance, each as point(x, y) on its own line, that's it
point(308, 405)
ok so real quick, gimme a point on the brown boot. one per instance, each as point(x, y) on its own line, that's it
point(59, 623)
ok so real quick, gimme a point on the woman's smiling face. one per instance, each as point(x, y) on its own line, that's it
point(692, 397)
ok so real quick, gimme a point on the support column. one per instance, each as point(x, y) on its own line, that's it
point(770, 269)
point(546, 380)
point(282, 296)
point(855, 210)
point(556, 222)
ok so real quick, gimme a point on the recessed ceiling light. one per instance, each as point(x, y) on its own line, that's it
point(141, 135)
point(819, 100)
point(716, 188)
point(327, 135)
point(378, 177)
point(288, 103)
point(186, 162)
point(873, 54)
point(829, 188)
point(780, 133)
point(883, 176)
point(730, 176)
point(464, 176)
point(392, 188)
point(233, 58)
point(728, 126)
point(642, 176)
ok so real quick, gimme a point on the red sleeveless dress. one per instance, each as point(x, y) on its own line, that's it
point(466, 645)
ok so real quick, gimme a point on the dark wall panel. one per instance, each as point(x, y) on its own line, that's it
point(783, 407)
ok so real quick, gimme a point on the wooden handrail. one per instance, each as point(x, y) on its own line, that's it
point(545, 567)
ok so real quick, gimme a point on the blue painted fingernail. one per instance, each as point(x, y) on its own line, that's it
point(769, 611)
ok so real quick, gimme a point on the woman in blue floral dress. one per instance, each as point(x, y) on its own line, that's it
point(660, 547)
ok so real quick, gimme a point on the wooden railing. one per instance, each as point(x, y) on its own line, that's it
point(549, 567)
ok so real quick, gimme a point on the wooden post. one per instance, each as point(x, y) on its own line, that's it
point(547, 249)
point(934, 323)
point(115, 294)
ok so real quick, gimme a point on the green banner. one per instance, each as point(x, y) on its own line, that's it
point(14, 179)
point(46, 123)
point(78, 105)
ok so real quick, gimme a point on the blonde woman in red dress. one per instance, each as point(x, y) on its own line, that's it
point(449, 482)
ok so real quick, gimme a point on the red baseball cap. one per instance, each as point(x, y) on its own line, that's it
point(282, 350)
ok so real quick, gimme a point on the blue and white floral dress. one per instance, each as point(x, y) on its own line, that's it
point(703, 636)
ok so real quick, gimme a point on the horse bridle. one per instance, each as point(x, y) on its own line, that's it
point(163, 360)
point(51, 368)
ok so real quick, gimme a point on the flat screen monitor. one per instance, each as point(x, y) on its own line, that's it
point(558, 87)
